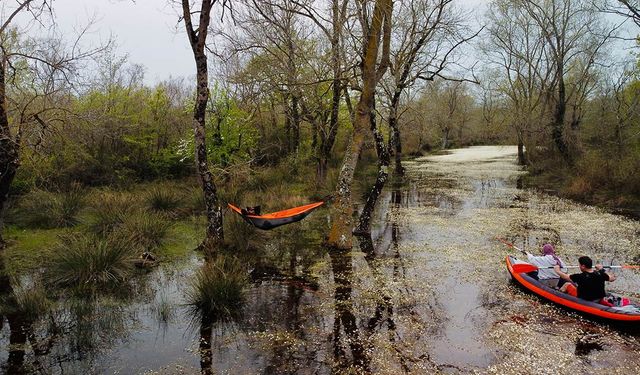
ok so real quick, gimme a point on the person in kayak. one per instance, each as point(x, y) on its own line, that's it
point(545, 262)
point(590, 281)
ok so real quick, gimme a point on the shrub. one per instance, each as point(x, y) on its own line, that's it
point(218, 288)
point(85, 260)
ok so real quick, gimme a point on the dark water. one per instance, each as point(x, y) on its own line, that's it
point(426, 293)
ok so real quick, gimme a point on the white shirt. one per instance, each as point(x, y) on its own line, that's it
point(542, 262)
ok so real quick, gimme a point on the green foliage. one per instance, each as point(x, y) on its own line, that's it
point(86, 261)
point(218, 288)
point(231, 135)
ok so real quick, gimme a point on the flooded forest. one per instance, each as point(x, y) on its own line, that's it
point(318, 186)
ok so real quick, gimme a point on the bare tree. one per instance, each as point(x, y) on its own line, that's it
point(429, 32)
point(573, 35)
point(36, 76)
point(197, 34)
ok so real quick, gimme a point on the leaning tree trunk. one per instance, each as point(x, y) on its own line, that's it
point(8, 151)
point(342, 211)
point(214, 234)
point(384, 159)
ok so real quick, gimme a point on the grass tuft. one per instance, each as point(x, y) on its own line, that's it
point(85, 261)
point(110, 211)
point(148, 230)
point(46, 210)
point(163, 199)
point(218, 288)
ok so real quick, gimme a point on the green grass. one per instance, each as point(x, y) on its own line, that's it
point(182, 238)
point(28, 249)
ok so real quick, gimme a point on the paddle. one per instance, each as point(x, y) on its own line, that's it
point(511, 245)
point(526, 267)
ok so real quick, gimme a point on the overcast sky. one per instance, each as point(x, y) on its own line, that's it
point(149, 33)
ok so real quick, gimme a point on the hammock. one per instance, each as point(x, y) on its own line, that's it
point(276, 219)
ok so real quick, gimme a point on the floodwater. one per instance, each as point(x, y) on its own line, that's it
point(428, 292)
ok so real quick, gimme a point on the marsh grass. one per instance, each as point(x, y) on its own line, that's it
point(110, 210)
point(88, 261)
point(30, 303)
point(46, 210)
point(163, 311)
point(218, 288)
point(163, 198)
point(146, 229)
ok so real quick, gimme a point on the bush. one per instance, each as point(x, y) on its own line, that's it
point(218, 288)
point(85, 261)
point(44, 209)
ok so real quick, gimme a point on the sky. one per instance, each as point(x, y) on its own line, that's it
point(149, 33)
point(146, 30)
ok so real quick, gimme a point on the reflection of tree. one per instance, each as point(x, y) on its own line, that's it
point(206, 335)
point(344, 318)
point(18, 326)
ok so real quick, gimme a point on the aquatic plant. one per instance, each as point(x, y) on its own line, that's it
point(30, 303)
point(218, 288)
point(86, 260)
point(163, 310)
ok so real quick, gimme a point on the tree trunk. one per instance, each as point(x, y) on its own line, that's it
point(214, 234)
point(384, 159)
point(557, 131)
point(342, 211)
point(522, 159)
point(8, 151)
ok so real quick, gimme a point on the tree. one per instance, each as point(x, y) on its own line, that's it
point(36, 75)
point(197, 35)
point(376, 31)
point(517, 47)
point(573, 36)
point(429, 31)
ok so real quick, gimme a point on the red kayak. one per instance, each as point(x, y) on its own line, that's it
point(629, 313)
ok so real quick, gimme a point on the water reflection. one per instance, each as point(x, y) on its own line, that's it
point(347, 338)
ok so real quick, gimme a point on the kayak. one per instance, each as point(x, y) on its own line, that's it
point(627, 314)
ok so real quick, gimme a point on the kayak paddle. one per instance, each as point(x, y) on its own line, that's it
point(526, 267)
point(511, 246)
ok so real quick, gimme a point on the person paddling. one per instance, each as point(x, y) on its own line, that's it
point(590, 281)
point(545, 262)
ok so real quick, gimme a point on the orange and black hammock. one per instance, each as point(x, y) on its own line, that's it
point(276, 219)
